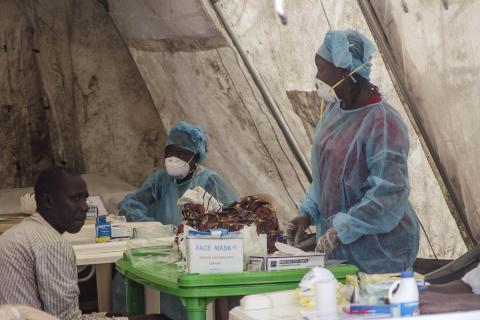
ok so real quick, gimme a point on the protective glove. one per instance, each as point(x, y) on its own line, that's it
point(327, 242)
point(198, 195)
point(296, 229)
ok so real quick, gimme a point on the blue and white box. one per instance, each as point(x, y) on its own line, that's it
point(214, 251)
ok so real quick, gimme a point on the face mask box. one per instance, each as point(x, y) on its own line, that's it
point(214, 251)
point(274, 263)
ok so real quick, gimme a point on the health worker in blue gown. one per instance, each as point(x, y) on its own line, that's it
point(156, 199)
point(358, 199)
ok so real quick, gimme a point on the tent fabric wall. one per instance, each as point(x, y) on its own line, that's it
point(71, 94)
point(436, 51)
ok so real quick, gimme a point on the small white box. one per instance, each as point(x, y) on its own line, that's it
point(271, 263)
point(218, 253)
point(95, 207)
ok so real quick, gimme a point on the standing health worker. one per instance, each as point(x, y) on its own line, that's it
point(358, 199)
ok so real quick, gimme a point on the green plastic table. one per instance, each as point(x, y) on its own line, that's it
point(196, 291)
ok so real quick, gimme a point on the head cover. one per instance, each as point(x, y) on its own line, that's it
point(348, 49)
point(189, 136)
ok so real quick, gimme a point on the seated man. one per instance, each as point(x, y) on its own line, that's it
point(460, 295)
point(38, 266)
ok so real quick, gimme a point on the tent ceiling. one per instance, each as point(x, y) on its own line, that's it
point(158, 20)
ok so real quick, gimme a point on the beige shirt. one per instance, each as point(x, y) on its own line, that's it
point(38, 269)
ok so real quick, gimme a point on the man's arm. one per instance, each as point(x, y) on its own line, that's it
point(56, 274)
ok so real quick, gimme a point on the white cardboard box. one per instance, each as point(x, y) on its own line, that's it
point(215, 253)
point(271, 263)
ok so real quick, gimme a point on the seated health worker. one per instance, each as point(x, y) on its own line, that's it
point(358, 199)
point(156, 200)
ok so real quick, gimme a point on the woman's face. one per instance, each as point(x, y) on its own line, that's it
point(327, 72)
point(186, 155)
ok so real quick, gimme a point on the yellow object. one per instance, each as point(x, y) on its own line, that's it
point(102, 240)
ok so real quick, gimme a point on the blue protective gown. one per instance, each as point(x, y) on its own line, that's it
point(360, 187)
point(156, 200)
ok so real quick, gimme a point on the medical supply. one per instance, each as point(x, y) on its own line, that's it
point(268, 306)
point(214, 251)
point(273, 263)
point(374, 287)
point(326, 298)
point(306, 291)
point(287, 257)
point(383, 309)
point(198, 195)
point(103, 230)
point(403, 296)
point(176, 167)
point(110, 228)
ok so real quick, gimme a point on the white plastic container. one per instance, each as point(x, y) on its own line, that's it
point(326, 303)
point(403, 296)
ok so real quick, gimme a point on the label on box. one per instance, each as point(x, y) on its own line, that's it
point(214, 254)
point(271, 263)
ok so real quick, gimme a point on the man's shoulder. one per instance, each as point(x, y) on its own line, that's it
point(34, 232)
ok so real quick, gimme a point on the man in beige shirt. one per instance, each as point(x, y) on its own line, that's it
point(38, 266)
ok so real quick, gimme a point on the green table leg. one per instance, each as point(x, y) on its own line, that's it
point(135, 297)
point(196, 307)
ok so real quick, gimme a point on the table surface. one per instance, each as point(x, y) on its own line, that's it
point(166, 278)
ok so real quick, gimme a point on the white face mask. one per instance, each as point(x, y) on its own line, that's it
point(176, 167)
point(325, 92)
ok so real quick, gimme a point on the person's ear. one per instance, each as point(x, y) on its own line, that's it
point(47, 200)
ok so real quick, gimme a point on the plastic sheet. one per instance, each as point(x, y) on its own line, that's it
point(163, 257)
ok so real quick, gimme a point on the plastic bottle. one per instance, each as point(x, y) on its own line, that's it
point(403, 296)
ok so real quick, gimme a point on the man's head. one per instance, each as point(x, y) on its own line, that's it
point(61, 197)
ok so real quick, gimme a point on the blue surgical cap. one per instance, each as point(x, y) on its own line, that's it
point(348, 49)
point(190, 137)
